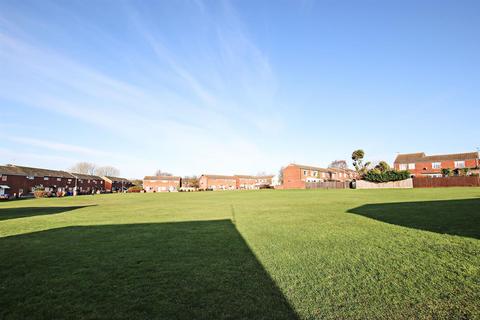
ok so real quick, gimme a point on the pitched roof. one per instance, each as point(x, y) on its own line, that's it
point(33, 172)
point(116, 179)
point(161, 178)
point(301, 166)
point(419, 157)
point(216, 176)
point(253, 177)
point(409, 157)
point(85, 176)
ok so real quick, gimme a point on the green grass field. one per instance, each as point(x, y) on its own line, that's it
point(326, 254)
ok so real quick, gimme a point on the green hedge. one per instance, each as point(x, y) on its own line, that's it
point(375, 175)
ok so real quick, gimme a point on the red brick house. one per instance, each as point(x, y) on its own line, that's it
point(217, 182)
point(295, 176)
point(116, 184)
point(420, 164)
point(253, 182)
point(86, 183)
point(19, 180)
point(161, 183)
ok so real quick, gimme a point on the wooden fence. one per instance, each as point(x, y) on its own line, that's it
point(327, 185)
point(429, 182)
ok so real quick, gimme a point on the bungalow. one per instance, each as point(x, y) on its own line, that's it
point(295, 176)
point(161, 183)
point(86, 183)
point(116, 184)
point(217, 182)
point(419, 164)
point(20, 180)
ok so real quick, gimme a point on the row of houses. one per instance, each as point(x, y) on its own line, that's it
point(21, 181)
point(421, 165)
point(206, 182)
point(297, 176)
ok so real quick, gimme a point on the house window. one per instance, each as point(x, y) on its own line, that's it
point(4, 178)
point(304, 172)
point(315, 173)
point(30, 177)
point(411, 166)
point(459, 164)
point(436, 165)
point(59, 179)
point(45, 178)
point(403, 166)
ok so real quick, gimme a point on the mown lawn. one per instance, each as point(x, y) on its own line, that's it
point(326, 254)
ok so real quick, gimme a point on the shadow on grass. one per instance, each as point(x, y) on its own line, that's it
point(186, 270)
point(455, 217)
point(22, 212)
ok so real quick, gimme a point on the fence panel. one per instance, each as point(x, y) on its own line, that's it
point(462, 181)
point(327, 185)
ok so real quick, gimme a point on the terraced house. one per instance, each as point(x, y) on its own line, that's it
point(86, 183)
point(253, 182)
point(161, 183)
point(18, 180)
point(296, 176)
point(217, 182)
point(419, 164)
point(116, 184)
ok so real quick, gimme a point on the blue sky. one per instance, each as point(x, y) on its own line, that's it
point(196, 87)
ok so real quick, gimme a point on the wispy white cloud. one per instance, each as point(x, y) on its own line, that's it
point(62, 147)
point(178, 113)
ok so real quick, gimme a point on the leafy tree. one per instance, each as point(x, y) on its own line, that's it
point(375, 175)
point(338, 164)
point(382, 166)
point(357, 157)
point(465, 171)
point(446, 172)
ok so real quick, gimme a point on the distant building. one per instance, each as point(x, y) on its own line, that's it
point(86, 183)
point(116, 184)
point(189, 184)
point(20, 180)
point(161, 183)
point(217, 182)
point(419, 164)
point(295, 176)
point(253, 182)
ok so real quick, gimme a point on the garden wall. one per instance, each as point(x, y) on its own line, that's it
point(429, 182)
point(403, 184)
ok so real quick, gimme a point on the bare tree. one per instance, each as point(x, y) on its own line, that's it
point(107, 171)
point(339, 164)
point(83, 168)
point(162, 173)
point(280, 175)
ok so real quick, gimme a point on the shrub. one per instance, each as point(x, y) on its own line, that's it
point(40, 192)
point(375, 175)
point(135, 189)
point(446, 172)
